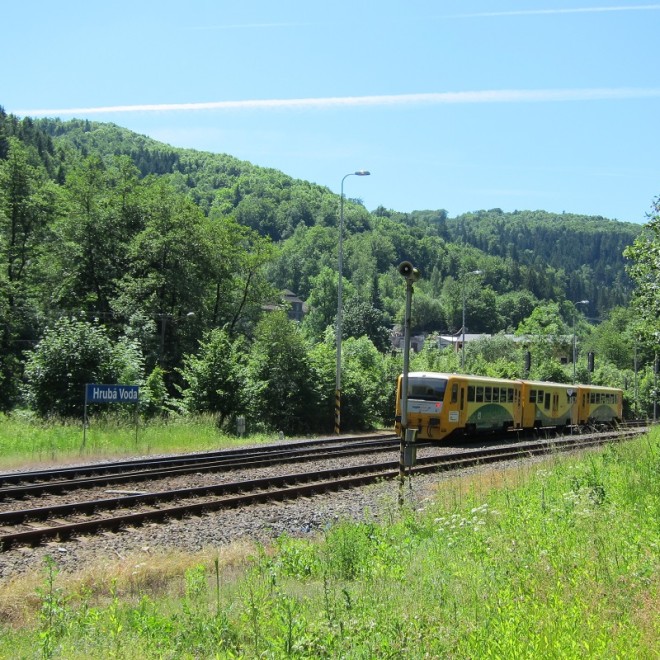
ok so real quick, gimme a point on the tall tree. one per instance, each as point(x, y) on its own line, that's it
point(280, 385)
point(88, 250)
point(168, 264)
point(644, 269)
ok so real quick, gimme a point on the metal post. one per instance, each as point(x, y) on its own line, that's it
point(636, 406)
point(404, 392)
point(463, 331)
point(655, 387)
point(579, 302)
point(340, 287)
point(411, 274)
point(574, 350)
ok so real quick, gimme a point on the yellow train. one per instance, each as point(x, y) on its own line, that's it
point(443, 406)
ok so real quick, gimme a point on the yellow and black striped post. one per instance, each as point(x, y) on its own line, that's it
point(337, 412)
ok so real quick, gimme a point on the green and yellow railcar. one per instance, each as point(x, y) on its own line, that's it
point(599, 405)
point(445, 406)
point(548, 404)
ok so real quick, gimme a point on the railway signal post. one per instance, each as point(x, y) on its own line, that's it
point(407, 454)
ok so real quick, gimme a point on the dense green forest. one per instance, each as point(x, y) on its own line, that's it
point(125, 258)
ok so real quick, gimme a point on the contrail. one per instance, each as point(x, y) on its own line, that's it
point(574, 10)
point(442, 98)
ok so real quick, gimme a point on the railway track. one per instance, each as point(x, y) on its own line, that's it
point(34, 526)
point(19, 485)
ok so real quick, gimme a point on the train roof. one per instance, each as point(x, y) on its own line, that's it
point(484, 379)
point(509, 381)
point(601, 388)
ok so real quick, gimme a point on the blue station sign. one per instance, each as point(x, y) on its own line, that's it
point(111, 393)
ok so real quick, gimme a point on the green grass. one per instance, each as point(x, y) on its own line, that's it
point(559, 559)
point(26, 440)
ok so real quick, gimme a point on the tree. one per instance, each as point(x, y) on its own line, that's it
point(71, 354)
point(322, 302)
point(214, 377)
point(88, 251)
point(239, 287)
point(280, 386)
point(362, 319)
point(545, 320)
point(367, 385)
point(168, 264)
point(644, 270)
point(28, 203)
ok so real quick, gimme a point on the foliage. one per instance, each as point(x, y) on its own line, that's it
point(364, 399)
point(154, 397)
point(214, 377)
point(163, 246)
point(362, 319)
point(279, 380)
point(556, 559)
point(644, 269)
point(71, 354)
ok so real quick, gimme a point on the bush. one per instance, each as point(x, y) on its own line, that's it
point(70, 355)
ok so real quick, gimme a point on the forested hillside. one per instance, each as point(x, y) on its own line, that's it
point(162, 248)
point(588, 249)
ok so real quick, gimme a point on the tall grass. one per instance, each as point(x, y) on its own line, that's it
point(560, 559)
point(26, 440)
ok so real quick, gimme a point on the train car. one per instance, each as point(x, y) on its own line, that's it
point(549, 404)
point(599, 405)
point(443, 406)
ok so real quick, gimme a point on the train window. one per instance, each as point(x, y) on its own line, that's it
point(470, 392)
point(488, 394)
point(532, 396)
point(539, 397)
point(547, 401)
point(509, 394)
point(427, 389)
point(496, 394)
point(480, 394)
point(592, 397)
point(454, 393)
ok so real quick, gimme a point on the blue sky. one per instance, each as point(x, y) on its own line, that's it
point(457, 104)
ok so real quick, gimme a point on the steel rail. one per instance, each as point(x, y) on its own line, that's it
point(223, 463)
point(9, 478)
point(262, 490)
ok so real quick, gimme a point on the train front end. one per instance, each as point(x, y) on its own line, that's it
point(430, 407)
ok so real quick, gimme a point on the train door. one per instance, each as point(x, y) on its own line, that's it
point(455, 403)
point(583, 406)
point(517, 407)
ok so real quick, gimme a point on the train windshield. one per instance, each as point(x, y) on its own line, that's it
point(427, 389)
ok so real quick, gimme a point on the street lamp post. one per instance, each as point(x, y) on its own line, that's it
point(474, 272)
point(579, 302)
point(340, 263)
